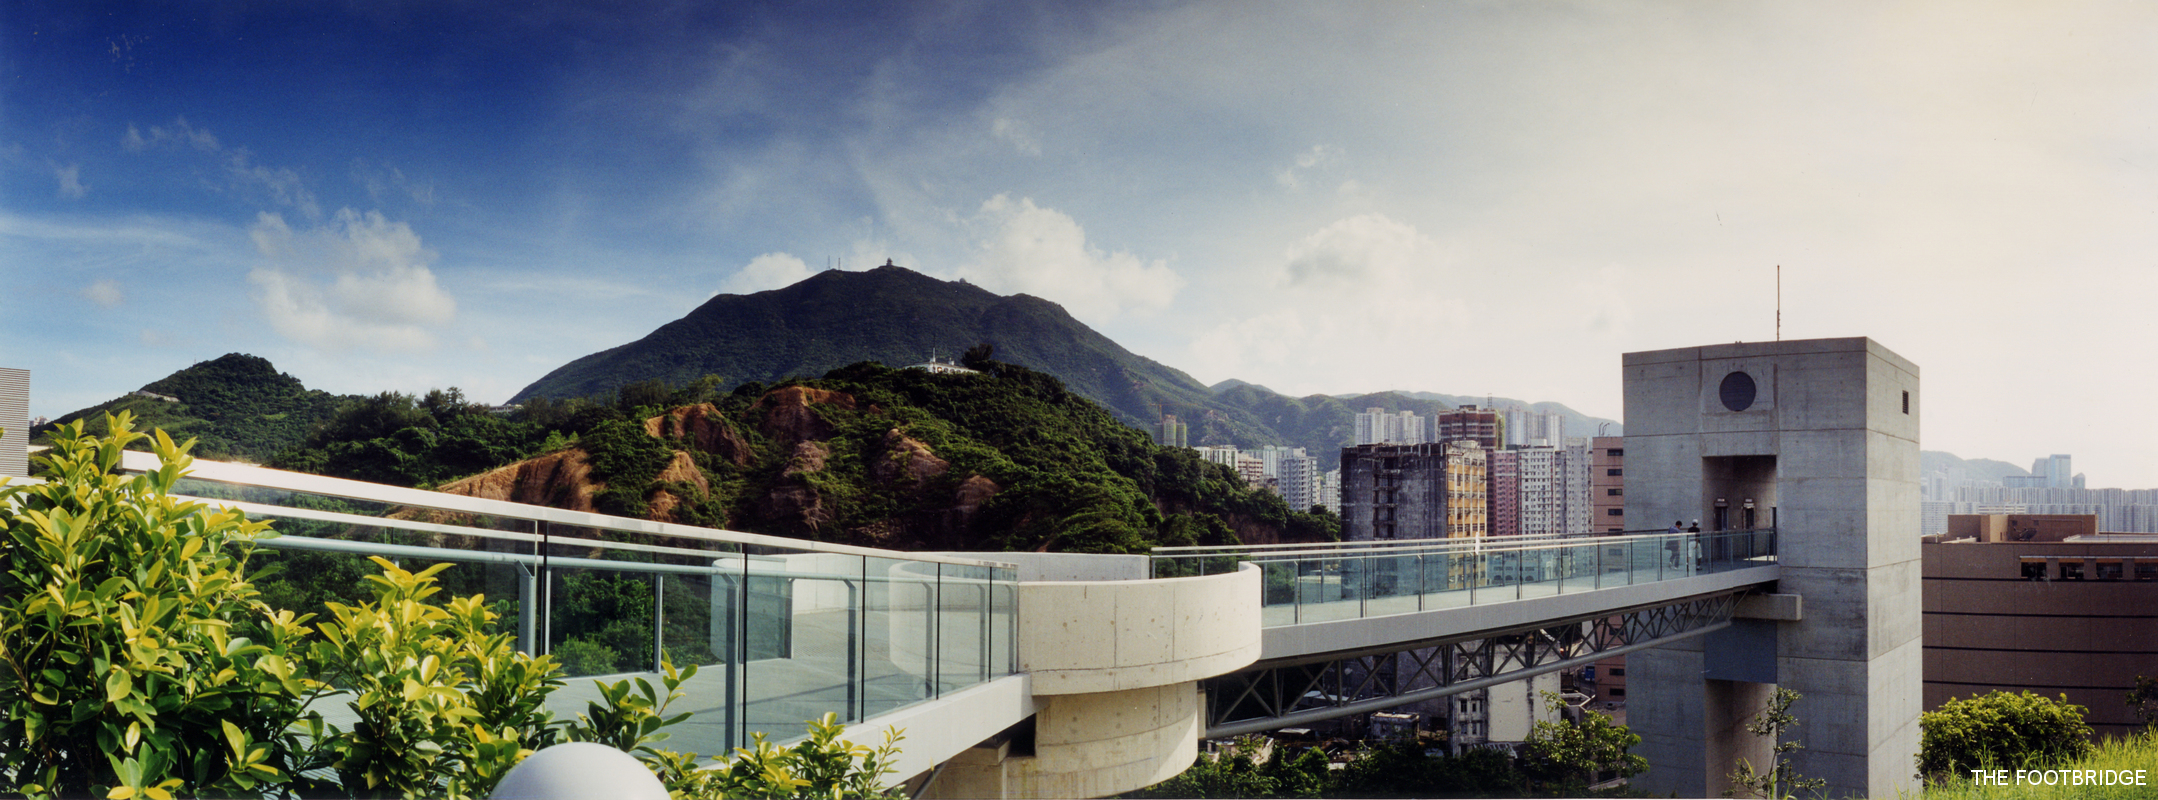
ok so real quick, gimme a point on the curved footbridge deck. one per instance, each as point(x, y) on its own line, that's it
point(1015, 674)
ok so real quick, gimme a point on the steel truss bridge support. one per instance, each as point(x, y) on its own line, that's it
point(1296, 692)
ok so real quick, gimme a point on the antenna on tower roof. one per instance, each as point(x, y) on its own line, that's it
point(1779, 302)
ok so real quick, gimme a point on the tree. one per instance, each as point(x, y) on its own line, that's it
point(2000, 729)
point(1567, 757)
point(977, 357)
point(2144, 699)
point(1780, 781)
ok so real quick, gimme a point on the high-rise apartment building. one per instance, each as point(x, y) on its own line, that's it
point(1578, 515)
point(1482, 426)
point(1542, 493)
point(1379, 426)
point(1418, 491)
point(1525, 426)
point(1293, 474)
point(1607, 484)
point(1171, 433)
point(1330, 490)
point(1503, 495)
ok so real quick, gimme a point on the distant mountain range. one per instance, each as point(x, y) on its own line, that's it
point(897, 316)
point(1977, 469)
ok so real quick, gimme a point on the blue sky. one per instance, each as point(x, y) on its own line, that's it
point(1462, 197)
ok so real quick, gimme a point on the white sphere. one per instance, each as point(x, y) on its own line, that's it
point(580, 771)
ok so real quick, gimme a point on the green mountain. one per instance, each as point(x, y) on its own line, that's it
point(236, 406)
point(896, 316)
point(890, 315)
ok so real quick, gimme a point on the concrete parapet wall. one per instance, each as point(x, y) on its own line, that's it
point(1082, 637)
point(1057, 567)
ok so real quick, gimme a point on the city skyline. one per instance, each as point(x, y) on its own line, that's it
point(1316, 198)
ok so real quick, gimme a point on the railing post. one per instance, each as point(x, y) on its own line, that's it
point(1521, 568)
point(1363, 592)
point(855, 599)
point(1421, 575)
point(659, 623)
point(1296, 586)
point(527, 609)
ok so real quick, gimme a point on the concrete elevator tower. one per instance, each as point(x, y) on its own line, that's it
point(1819, 440)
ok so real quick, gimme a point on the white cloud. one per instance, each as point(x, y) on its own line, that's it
point(70, 178)
point(1320, 154)
point(1018, 134)
point(1022, 247)
point(284, 185)
point(360, 281)
point(105, 293)
point(177, 134)
point(383, 182)
point(1361, 301)
point(768, 271)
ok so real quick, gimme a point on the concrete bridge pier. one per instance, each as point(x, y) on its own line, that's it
point(1114, 662)
point(1819, 440)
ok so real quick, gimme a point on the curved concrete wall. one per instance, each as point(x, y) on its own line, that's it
point(1080, 637)
point(1101, 745)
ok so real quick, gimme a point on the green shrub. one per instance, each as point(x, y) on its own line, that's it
point(1568, 757)
point(138, 660)
point(121, 669)
point(2000, 730)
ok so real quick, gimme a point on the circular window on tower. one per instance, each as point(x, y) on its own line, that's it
point(1737, 391)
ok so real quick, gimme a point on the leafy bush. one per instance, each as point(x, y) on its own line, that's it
point(1568, 757)
point(2000, 730)
point(634, 715)
point(138, 660)
point(1245, 772)
point(445, 705)
point(120, 671)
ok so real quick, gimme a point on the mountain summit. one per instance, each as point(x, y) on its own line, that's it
point(889, 314)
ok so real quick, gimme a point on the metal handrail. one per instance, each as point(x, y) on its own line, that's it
point(265, 478)
point(1478, 544)
point(1500, 568)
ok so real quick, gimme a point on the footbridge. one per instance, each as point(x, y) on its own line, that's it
point(1011, 674)
point(1359, 627)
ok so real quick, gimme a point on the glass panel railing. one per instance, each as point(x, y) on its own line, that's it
point(1307, 583)
point(900, 634)
point(782, 631)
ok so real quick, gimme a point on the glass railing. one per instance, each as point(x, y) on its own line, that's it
point(1306, 583)
point(783, 630)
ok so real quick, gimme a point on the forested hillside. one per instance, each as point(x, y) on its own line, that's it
point(1005, 460)
point(236, 407)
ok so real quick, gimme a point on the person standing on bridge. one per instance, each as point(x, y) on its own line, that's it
point(1671, 548)
point(1693, 547)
